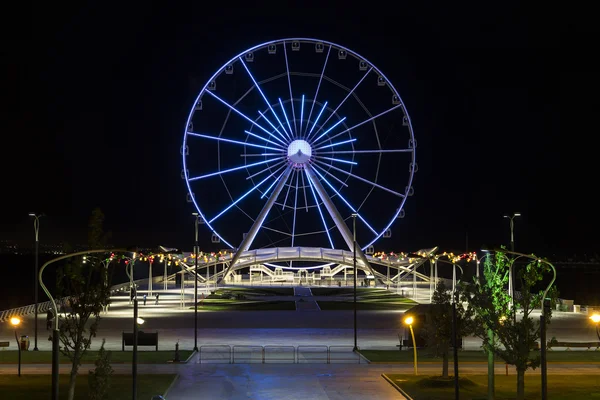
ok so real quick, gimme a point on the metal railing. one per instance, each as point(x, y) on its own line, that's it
point(253, 354)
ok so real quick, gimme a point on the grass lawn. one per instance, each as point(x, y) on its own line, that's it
point(467, 356)
point(34, 387)
point(361, 305)
point(245, 305)
point(45, 357)
point(474, 387)
point(255, 291)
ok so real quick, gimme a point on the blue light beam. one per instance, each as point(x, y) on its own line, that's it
point(363, 179)
point(347, 203)
point(318, 86)
point(346, 98)
point(318, 116)
point(260, 146)
point(286, 118)
point(261, 92)
point(365, 121)
point(287, 67)
point(330, 174)
point(236, 111)
point(288, 189)
point(264, 170)
point(328, 130)
point(335, 144)
point(338, 160)
point(243, 196)
point(319, 208)
point(234, 169)
point(265, 139)
point(301, 114)
point(287, 135)
point(271, 185)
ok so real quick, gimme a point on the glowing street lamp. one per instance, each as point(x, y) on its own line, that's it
point(409, 321)
point(596, 319)
point(14, 321)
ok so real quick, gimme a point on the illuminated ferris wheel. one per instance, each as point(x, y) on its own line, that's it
point(289, 139)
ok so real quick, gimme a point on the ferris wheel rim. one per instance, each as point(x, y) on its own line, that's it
point(284, 41)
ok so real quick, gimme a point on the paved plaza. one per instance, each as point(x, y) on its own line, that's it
point(308, 326)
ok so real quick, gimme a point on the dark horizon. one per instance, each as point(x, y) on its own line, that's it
point(99, 99)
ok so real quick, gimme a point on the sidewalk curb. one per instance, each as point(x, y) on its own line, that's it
point(170, 386)
point(190, 357)
point(398, 388)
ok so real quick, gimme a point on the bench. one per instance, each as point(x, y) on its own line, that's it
point(568, 345)
point(144, 339)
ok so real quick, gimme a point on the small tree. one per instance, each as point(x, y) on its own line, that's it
point(99, 379)
point(438, 328)
point(515, 331)
point(84, 287)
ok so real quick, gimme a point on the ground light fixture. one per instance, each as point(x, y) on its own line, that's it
point(15, 321)
point(595, 318)
point(409, 321)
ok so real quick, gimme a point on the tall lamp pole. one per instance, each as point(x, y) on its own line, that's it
point(15, 321)
point(36, 227)
point(195, 283)
point(354, 261)
point(512, 248)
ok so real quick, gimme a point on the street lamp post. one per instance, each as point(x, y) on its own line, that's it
point(511, 288)
point(14, 321)
point(409, 321)
point(354, 262)
point(36, 227)
point(544, 365)
point(195, 282)
point(55, 332)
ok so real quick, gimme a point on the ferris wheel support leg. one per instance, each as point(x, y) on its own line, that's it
point(337, 218)
point(247, 242)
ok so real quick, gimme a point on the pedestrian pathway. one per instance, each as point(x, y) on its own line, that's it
point(306, 302)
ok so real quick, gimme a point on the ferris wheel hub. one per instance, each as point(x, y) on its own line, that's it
point(299, 152)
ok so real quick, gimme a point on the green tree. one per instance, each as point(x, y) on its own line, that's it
point(438, 328)
point(85, 291)
point(99, 379)
point(515, 331)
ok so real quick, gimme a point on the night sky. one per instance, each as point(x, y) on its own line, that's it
point(95, 99)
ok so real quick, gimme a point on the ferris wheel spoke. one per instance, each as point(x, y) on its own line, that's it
point(242, 197)
point(346, 202)
point(272, 184)
point(287, 68)
point(301, 116)
point(337, 160)
point(262, 154)
point(317, 119)
point(264, 170)
point(312, 189)
point(335, 144)
point(368, 151)
point(330, 174)
point(328, 130)
point(286, 118)
point(346, 98)
point(317, 91)
point(288, 190)
point(365, 121)
point(262, 94)
point(237, 111)
point(363, 180)
point(295, 209)
point(220, 139)
point(304, 189)
point(286, 136)
point(265, 139)
point(234, 169)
